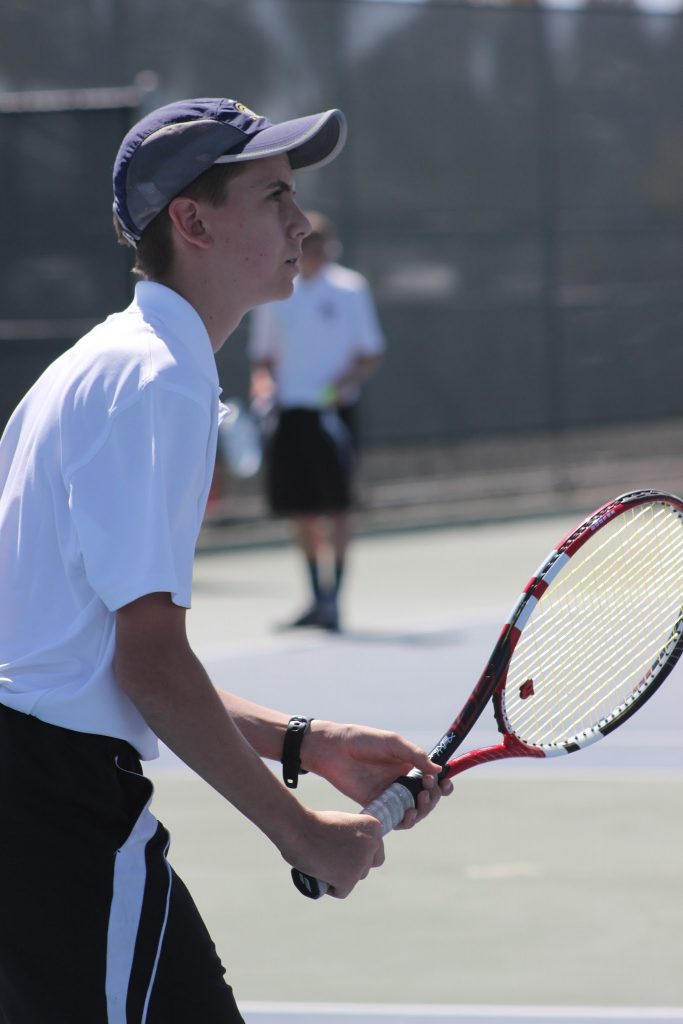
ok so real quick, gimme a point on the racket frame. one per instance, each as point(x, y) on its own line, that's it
point(390, 807)
point(494, 678)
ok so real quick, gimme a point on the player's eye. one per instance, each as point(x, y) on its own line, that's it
point(279, 194)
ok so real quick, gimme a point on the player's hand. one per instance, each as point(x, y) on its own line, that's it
point(339, 848)
point(328, 397)
point(361, 762)
point(262, 387)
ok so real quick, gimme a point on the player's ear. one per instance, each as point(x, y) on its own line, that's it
point(186, 216)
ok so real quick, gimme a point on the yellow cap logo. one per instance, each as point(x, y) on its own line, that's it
point(245, 110)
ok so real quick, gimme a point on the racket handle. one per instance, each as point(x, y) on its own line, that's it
point(389, 808)
point(308, 885)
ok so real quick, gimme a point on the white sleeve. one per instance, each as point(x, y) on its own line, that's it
point(137, 500)
point(262, 342)
point(370, 339)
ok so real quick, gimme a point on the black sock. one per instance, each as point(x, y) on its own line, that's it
point(314, 576)
point(338, 575)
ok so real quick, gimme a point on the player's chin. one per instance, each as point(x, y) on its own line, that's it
point(283, 288)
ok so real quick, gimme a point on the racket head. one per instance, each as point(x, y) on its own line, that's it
point(239, 440)
point(597, 629)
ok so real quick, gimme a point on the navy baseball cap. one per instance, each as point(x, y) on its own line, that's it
point(171, 146)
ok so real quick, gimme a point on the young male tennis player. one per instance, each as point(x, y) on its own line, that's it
point(104, 474)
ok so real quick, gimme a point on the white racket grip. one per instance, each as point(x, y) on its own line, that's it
point(389, 808)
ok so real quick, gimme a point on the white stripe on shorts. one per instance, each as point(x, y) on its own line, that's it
point(130, 875)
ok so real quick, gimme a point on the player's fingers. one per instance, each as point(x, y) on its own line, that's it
point(340, 892)
point(404, 750)
point(446, 787)
point(426, 801)
point(410, 819)
point(378, 859)
point(431, 783)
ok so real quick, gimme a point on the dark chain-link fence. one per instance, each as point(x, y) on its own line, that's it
point(512, 186)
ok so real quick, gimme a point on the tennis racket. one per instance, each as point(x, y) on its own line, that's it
point(239, 440)
point(596, 631)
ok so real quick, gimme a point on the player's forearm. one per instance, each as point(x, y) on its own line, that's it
point(178, 701)
point(264, 729)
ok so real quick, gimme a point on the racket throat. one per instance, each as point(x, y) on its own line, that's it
point(413, 782)
point(510, 747)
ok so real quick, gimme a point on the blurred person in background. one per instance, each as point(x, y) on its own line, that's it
point(310, 354)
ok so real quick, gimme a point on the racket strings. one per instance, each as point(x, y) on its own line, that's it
point(602, 563)
point(631, 657)
point(579, 583)
point(632, 654)
point(560, 603)
point(591, 702)
point(584, 638)
point(599, 627)
point(568, 716)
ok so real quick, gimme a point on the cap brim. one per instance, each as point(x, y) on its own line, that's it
point(311, 141)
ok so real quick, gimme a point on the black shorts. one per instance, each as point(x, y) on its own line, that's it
point(95, 927)
point(310, 462)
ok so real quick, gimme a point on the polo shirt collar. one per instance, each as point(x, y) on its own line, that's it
point(181, 322)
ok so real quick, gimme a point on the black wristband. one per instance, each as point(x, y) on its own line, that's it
point(291, 748)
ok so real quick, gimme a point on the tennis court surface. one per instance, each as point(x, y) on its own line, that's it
point(540, 892)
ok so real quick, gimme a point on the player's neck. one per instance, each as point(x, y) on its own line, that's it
point(219, 315)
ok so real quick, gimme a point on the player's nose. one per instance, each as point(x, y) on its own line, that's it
point(301, 226)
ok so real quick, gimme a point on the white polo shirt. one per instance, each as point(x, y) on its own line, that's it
point(105, 470)
point(313, 337)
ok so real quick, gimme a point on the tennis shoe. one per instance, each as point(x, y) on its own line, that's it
point(309, 618)
point(323, 614)
point(328, 613)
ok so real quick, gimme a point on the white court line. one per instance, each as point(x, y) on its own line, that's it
point(374, 1013)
